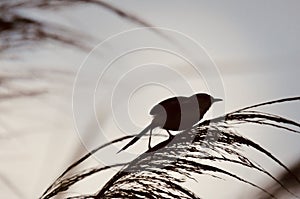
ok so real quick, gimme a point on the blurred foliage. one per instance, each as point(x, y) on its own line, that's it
point(18, 29)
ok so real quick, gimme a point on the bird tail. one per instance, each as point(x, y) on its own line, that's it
point(136, 138)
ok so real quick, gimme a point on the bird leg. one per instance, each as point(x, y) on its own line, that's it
point(149, 143)
point(170, 135)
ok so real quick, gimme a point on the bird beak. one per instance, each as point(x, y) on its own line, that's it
point(217, 100)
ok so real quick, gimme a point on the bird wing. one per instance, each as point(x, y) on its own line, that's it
point(167, 104)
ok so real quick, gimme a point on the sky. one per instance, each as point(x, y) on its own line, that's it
point(245, 52)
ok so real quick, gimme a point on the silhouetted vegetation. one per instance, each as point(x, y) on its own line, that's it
point(161, 171)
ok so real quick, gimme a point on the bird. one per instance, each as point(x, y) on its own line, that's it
point(176, 114)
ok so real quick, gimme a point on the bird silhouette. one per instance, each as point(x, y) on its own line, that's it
point(176, 114)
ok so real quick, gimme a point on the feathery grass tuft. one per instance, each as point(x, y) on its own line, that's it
point(161, 171)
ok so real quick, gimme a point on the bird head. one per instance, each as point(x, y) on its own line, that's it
point(205, 100)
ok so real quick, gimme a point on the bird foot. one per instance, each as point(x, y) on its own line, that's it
point(171, 136)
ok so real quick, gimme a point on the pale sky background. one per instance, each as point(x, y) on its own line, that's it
point(254, 45)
